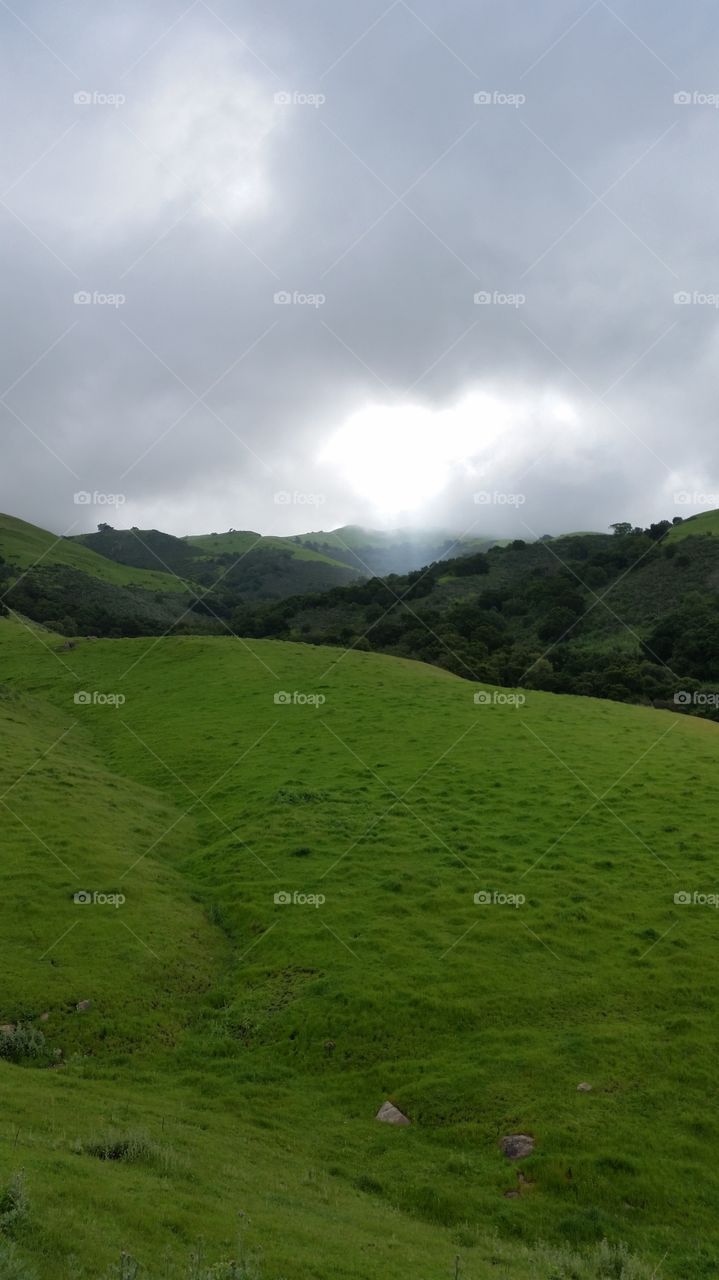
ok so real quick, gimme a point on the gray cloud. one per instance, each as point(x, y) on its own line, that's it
point(397, 198)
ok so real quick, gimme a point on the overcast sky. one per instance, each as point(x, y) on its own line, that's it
point(381, 165)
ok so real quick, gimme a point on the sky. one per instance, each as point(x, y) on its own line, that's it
point(288, 266)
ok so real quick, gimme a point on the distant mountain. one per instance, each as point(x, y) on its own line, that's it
point(264, 567)
point(143, 581)
point(377, 552)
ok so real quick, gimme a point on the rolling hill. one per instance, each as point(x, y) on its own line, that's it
point(144, 582)
point(632, 616)
point(27, 546)
point(239, 543)
point(379, 552)
point(515, 902)
point(705, 524)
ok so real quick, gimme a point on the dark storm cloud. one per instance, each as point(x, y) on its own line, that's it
point(192, 194)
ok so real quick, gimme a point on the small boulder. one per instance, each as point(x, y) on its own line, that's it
point(7, 1028)
point(584, 1087)
point(44, 1017)
point(389, 1114)
point(517, 1145)
point(83, 1005)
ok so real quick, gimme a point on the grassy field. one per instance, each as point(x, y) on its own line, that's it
point(704, 523)
point(27, 545)
point(238, 1046)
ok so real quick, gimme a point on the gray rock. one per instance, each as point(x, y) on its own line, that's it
point(517, 1145)
point(83, 1005)
point(390, 1114)
point(584, 1087)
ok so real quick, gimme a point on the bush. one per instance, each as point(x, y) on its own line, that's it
point(14, 1205)
point(129, 1148)
point(24, 1044)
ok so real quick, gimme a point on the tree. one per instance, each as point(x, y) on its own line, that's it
point(621, 528)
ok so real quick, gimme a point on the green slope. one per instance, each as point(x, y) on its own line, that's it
point(26, 545)
point(707, 522)
point(355, 537)
point(397, 798)
point(239, 542)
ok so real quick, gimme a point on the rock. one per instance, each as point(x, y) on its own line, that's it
point(7, 1028)
point(517, 1145)
point(44, 1017)
point(389, 1114)
point(584, 1087)
point(83, 1005)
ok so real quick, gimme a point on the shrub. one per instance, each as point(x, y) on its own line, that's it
point(129, 1148)
point(14, 1205)
point(24, 1044)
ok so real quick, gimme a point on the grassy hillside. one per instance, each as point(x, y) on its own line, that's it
point(236, 1066)
point(26, 545)
point(239, 542)
point(707, 522)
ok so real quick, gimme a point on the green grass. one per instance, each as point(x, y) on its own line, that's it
point(237, 1049)
point(239, 542)
point(26, 545)
point(704, 523)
